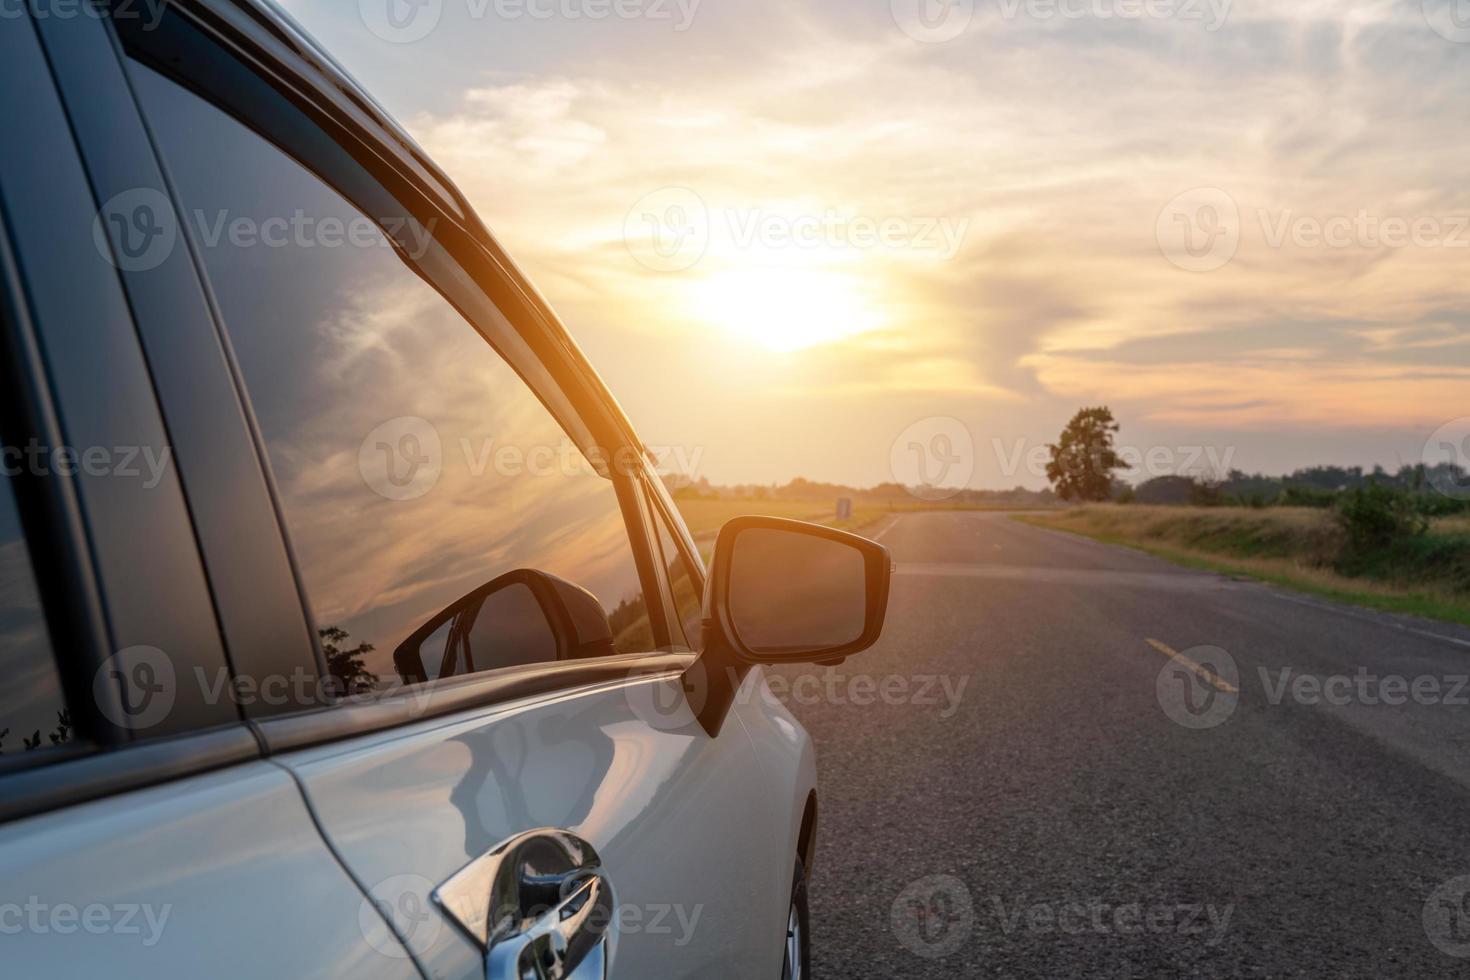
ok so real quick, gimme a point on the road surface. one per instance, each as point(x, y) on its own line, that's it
point(1067, 759)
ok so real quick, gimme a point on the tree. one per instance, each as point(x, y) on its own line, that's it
point(346, 663)
point(1082, 464)
point(59, 737)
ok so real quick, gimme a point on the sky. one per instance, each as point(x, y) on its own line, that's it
point(865, 240)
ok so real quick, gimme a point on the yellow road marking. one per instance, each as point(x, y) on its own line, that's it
point(1204, 673)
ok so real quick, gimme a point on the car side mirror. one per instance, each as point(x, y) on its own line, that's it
point(785, 592)
point(523, 617)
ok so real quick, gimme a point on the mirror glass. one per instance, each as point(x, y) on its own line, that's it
point(507, 629)
point(499, 625)
point(795, 593)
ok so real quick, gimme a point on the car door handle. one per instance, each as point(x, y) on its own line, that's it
point(539, 905)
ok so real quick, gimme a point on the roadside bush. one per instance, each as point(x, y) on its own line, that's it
point(1429, 559)
point(1206, 493)
point(1438, 505)
point(1376, 517)
point(1304, 496)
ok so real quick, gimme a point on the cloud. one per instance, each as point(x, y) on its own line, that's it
point(1058, 143)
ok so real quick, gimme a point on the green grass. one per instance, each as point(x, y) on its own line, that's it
point(1295, 548)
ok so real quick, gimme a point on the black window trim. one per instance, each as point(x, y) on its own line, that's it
point(102, 759)
point(86, 617)
point(51, 519)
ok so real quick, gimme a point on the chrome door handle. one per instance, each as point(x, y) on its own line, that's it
point(539, 905)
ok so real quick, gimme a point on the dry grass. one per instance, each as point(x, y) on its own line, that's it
point(1301, 534)
point(1451, 525)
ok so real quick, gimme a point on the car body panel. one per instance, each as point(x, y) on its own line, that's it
point(678, 818)
point(222, 875)
point(789, 763)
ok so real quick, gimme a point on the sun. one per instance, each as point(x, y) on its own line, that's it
point(786, 309)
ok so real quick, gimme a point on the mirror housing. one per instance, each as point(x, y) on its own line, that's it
point(784, 592)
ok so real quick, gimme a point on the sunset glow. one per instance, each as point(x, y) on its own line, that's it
point(785, 309)
point(1248, 231)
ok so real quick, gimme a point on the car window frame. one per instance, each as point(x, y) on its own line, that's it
point(536, 348)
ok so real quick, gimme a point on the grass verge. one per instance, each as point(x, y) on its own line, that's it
point(1299, 549)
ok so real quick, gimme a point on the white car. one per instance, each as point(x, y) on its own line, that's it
point(348, 630)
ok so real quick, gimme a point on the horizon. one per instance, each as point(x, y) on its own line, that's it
point(681, 482)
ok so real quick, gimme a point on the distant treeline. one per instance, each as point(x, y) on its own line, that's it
point(1434, 490)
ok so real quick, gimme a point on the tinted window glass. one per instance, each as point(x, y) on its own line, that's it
point(33, 714)
point(414, 465)
point(688, 599)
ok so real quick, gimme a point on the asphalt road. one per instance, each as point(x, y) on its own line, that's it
point(1077, 829)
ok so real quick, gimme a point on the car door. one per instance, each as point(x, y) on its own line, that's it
point(141, 834)
point(489, 619)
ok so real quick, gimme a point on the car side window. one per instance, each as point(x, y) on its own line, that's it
point(688, 597)
point(413, 465)
point(33, 710)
